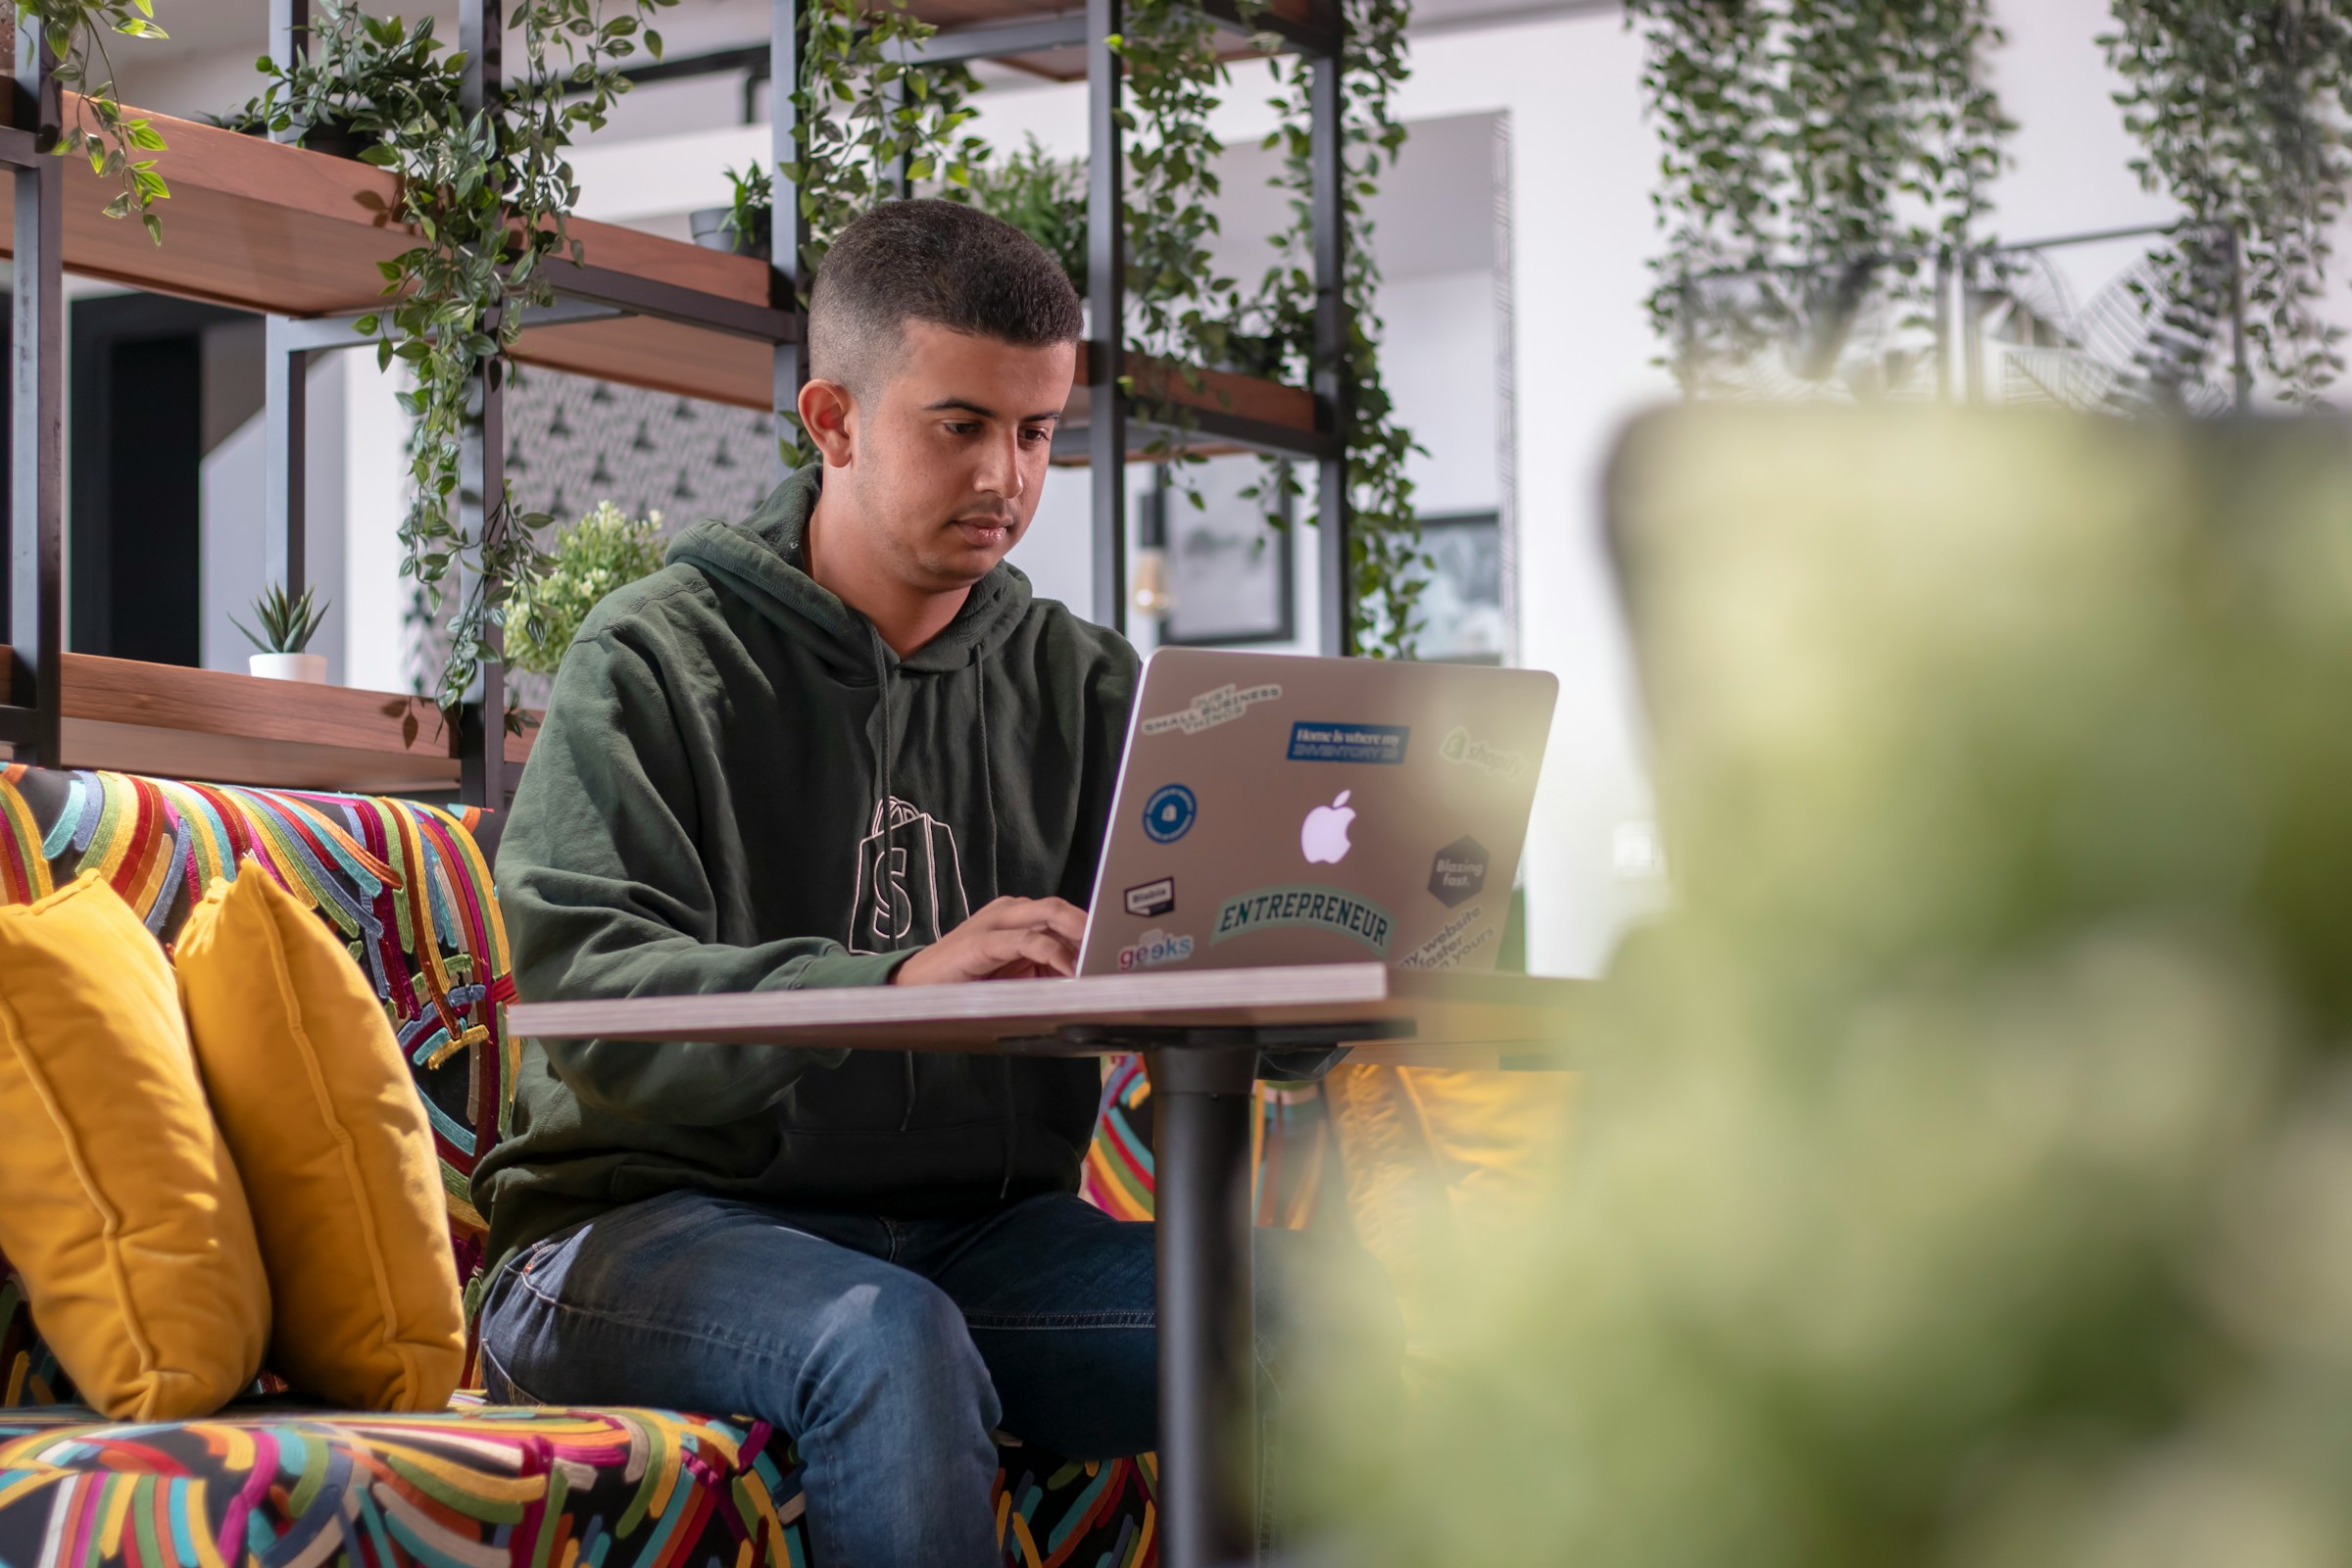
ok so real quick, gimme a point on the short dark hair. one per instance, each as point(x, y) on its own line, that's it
point(932, 261)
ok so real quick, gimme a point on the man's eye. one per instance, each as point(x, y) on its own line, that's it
point(962, 426)
point(1034, 433)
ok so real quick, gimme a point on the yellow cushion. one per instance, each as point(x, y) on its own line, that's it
point(118, 1202)
point(326, 1122)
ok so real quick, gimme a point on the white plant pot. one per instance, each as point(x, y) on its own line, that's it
point(310, 668)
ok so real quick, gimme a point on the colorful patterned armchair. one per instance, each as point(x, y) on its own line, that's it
point(272, 1482)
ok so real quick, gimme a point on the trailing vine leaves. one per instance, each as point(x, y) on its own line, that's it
point(1816, 154)
point(102, 132)
point(2241, 107)
point(1388, 566)
point(488, 195)
point(869, 124)
point(1179, 310)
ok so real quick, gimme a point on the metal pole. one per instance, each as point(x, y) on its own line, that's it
point(2241, 369)
point(289, 44)
point(1201, 1098)
point(286, 500)
point(1335, 576)
point(37, 419)
point(1106, 300)
point(481, 767)
point(787, 231)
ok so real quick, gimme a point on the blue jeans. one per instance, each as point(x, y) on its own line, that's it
point(888, 1350)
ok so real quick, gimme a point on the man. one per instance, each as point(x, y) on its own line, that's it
point(838, 745)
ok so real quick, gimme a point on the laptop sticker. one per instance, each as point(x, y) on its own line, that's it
point(1152, 899)
point(1458, 748)
point(1168, 814)
point(1348, 742)
point(1459, 872)
point(1325, 909)
point(1452, 943)
point(1156, 947)
point(1211, 709)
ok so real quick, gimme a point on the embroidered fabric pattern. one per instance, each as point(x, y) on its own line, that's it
point(481, 1488)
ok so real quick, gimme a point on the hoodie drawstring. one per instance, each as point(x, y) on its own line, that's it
point(988, 807)
point(882, 883)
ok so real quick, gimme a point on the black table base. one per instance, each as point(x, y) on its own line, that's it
point(1201, 1082)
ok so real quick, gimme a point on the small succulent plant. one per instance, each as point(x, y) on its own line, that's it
point(288, 623)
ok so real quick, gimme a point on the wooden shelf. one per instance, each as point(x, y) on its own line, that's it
point(1298, 20)
point(218, 727)
point(262, 227)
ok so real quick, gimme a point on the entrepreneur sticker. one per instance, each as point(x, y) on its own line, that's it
point(1211, 709)
point(1325, 909)
point(1348, 742)
point(1153, 898)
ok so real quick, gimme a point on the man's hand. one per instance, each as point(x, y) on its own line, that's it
point(1012, 938)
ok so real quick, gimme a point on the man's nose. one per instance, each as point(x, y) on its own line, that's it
point(1000, 467)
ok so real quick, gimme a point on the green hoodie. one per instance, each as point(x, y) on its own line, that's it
point(739, 787)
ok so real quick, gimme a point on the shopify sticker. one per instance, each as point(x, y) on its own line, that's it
point(1495, 763)
point(1211, 709)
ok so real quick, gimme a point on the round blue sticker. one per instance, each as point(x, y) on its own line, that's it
point(1168, 814)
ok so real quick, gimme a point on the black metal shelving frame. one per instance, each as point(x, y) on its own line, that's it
point(31, 721)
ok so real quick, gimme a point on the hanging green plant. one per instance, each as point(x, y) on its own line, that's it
point(1042, 196)
point(2241, 106)
point(1178, 308)
point(868, 122)
point(360, 79)
point(102, 132)
point(1817, 155)
point(1389, 568)
point(488, 195)
point(605, 550)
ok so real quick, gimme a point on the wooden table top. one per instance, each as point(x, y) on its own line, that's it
point(1456, 1020)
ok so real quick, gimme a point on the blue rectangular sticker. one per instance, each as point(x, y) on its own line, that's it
point(1348, 742)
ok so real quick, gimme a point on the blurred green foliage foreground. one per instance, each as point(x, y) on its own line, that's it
point(1965, 1170)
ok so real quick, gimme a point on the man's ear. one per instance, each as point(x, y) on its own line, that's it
point(829, 414)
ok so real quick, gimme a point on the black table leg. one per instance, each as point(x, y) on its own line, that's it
point(1200, 1106)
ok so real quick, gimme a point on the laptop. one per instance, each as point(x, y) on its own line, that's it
point(1278, 809)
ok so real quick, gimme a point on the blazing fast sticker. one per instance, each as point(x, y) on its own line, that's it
point(1154, 947)
point(1457, 747)
point(1168, 814)
point(1153, 898)
point(1458, 872)
point(1211, 709)
point(1348, 742)
point(1324, 909)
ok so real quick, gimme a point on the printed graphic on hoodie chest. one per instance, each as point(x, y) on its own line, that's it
point(909, 880)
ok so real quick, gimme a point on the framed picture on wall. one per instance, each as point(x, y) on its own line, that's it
point(1229, 569)
point(1461, 610)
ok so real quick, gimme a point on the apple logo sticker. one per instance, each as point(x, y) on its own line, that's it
point(1323, 836)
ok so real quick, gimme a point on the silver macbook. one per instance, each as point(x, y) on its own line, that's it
point(1277, 810)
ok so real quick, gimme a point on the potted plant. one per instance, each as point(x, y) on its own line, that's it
point(288, 624)
point(1042, 196)
point(605, 550)
point(360, 77)
point(746, 223)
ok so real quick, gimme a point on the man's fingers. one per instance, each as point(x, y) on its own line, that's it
point(1049, 952)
